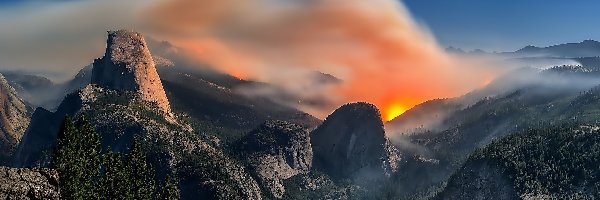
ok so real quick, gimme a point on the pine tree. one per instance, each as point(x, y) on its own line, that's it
point(89, 148)
point(79, 163)
point(142, 174)
point(115, 183)
point(170, 189)
point(64, 160)
point(77, 159)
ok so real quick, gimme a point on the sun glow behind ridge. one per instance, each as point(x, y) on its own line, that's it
point(393, 111)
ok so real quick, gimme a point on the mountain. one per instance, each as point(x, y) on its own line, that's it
point(479, 180)
point(40, 91)
point(591, 63)
point(454, 50)
point(134, 106)
point(530, 133)
point(586, 48)
point(128, 65)
point(211, 99)
point(290, 163)
point(351, 144)
point(429, 114)
point(215, 101)
point(433, 153)
point(14, 119)
point(214, 105)
point(562, 141)
point(32, 88)
point(122, 68)
point(121, 96)
point(276, 151)
point(556, 161)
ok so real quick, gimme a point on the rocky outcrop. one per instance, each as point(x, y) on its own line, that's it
point(22, 183)
point(277, 151)
point(14, 119)
point(128, 65)
point(351, 144)
point(479, 180)
point(38, 141)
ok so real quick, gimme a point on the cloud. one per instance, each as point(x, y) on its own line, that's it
point(382, 55)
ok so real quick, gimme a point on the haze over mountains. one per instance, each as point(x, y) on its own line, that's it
point(221, 143)
point(586, 48)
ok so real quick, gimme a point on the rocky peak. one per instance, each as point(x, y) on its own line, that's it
point(14, 118)
point(276, 151)
point(351, 143)
point(128, 65)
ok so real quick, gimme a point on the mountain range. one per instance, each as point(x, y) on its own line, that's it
point(529, 139)
point(586, 48)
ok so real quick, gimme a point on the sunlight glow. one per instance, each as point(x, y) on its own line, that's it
point(393, 111)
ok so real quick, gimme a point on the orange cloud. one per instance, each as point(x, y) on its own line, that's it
point(382, 55)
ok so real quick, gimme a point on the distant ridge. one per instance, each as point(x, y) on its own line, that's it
point(586, 48)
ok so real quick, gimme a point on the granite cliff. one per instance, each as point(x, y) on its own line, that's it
point(276, 151)
point(14, 119)
point(351, 143)
point(128, 65)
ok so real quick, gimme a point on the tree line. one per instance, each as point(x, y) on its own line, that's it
point(88, 172)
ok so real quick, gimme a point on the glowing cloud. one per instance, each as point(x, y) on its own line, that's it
point(374, 46)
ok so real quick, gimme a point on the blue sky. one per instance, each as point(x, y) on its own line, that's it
point(505, 25)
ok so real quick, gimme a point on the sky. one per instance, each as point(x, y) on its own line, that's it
point(507, 25)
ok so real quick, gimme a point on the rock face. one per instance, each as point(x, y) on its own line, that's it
point(14, 119)
point(351, 143)
point(277, 151)
point(22, 183)
point(128, 65)
point(37, 143)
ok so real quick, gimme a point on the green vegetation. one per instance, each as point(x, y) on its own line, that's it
point(86, 173)
point(560, 161)
point(77, 159)
point(142, 175)
point(489, 119)
point(115, 181)
point(169, 190)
